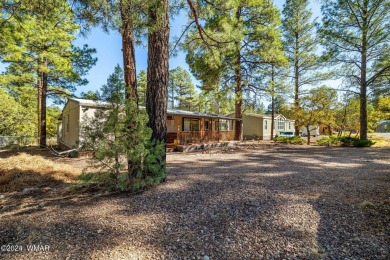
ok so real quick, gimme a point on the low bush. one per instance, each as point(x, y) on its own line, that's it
point(323, 141)
point(328, 140)
point(345, 141)
point(289, 140)
point(362, 143)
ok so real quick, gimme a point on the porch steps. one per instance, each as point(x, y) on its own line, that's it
point(171, 147)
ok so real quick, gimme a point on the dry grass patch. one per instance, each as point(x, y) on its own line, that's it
point(26, 171)
point(381, 143)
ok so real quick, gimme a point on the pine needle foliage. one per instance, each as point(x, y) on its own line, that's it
point(120, 142)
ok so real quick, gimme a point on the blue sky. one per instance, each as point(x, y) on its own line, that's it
point(109, 53)
point(108, 47)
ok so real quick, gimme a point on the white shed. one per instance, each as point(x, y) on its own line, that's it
point(71, 118)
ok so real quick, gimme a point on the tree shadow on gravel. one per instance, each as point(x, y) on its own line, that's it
point(278, 204)
point(68, 237)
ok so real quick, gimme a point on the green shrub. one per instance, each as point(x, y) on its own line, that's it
point(123, 155)
point(289, 140)
point(362, 143)
point(328, 140)
point(323, 141)
point(345, 141)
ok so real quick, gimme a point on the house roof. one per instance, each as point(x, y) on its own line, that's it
point(93, 103)
point(268, 116)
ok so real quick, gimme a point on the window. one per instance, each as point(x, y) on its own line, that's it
point(206, 125)
point(67, 123)
point(265, 124)
point(190, 124)
point(289, 125)
point(280, 124)
point(223, 125)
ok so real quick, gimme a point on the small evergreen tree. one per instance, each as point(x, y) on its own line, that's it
point(118, 135)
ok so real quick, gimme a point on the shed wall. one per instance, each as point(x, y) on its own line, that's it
point(252, 127)
point(70, 124)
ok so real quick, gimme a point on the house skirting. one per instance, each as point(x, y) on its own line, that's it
point(204, 146)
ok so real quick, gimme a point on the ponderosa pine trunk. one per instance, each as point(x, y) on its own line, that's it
point(272, 102)
point(158, 70)
point(42, 93)
point(128, 49)
point(43, 111)
point(238, 88)
point(238, 101)
point(129, 68)
point(363, 76)
point(39, 105)
point(296, 78)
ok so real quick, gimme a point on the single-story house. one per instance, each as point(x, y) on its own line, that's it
point(183, 127)
point(256, 126)
point(383, 126)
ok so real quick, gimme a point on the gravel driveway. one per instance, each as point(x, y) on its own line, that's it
point(258, 202)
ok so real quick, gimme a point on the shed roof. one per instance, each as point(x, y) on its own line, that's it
point(90, 103)
point(93, 103)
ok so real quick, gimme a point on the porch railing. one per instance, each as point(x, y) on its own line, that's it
point(187, 137)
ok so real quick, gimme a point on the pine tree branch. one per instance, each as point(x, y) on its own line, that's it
point(182, 34)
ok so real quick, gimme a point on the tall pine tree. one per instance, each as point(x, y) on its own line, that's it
point(300, 44)
point(356, 36)
point(237, 37)
point(37, 46)
point(158, 73)
point(181, 90)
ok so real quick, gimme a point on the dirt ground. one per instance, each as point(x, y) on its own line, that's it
point(261, 201)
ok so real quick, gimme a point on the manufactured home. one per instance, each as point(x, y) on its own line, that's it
point(183, 127)
point(257, 126)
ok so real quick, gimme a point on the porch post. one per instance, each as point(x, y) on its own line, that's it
point(212, 130)
point(201, 129)
point(218, 128)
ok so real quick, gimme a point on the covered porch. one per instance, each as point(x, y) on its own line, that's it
point(189, 128)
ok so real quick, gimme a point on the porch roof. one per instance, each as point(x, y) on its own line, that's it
point(196, 114)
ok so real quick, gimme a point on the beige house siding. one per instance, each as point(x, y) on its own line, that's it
point(266, 122)
point(259, 126)
point(289, 126)
point(70, 124)
point(252, 127)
